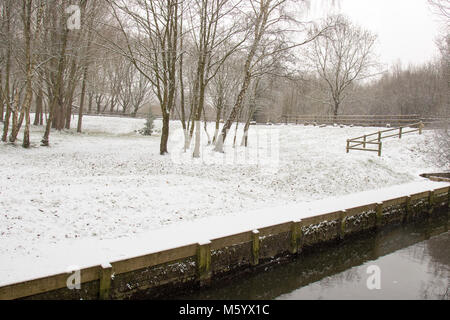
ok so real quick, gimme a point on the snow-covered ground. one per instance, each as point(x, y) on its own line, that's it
point(110, 185)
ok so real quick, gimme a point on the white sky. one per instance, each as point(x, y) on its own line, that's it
point(406, 28)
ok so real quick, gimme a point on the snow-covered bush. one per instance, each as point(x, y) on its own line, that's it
point(149, 126)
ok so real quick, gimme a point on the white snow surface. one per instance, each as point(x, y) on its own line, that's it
point(107, 194)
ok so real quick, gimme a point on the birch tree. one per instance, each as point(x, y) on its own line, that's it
point(268, 21)
point(209, 21)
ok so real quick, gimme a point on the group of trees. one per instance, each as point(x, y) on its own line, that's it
point(61, 56)
point(52, 62)
point(221, 60)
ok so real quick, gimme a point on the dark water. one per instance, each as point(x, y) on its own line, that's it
point(414, 263)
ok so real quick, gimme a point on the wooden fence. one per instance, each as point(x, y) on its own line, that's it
point(364, 141)
point(363, 120)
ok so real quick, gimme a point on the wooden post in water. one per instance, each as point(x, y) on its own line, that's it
point(105, 281)
point(255, 248)
point(379, 213)
point(204, 263)
point(431, 197)
point(343, 221)
point(408, 209)
point(295, 232)
point(448, 199)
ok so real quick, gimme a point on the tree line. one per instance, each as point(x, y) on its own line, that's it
point(232, 59)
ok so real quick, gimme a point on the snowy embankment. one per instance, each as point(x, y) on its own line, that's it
point(108, 193)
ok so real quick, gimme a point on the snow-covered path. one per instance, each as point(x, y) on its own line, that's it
point(110, 186)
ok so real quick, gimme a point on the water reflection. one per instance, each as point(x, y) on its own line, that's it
point(414, 263)
point(410, 273)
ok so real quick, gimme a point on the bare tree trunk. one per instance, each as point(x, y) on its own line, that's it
point(206, 126)
point(29, 90)
point(57, 90)
point(39, 105)
point(251, 112)
point(91, 96)
point(164, 134)
point(216, 130)
point(6, 119)
point(260, 26)
point(85, 75)
point(182, 97)
point(16, 123)
point(236, 109)
point(69, 111)
point(2, 100)
point(6, 92)
point(235, 133)
point(336, 109)
point(68, 101)
point(82, 98)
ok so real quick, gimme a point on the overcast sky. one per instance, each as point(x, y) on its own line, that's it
point(406, 28)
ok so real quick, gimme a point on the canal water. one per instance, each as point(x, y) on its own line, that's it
point(408, 262)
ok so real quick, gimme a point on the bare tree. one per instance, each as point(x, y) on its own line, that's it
point(87, 25)
point(26, 18)
point(223, 90)
point(209, 22)
point(268, 22)
point(56, 67)
point(150, 30)
point(134, 89)
point(441, 7)
point(342, 56)
point(6, 36)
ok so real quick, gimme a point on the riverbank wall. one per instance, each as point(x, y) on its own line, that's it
point(200, 264)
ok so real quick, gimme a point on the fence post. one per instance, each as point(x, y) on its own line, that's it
point(105, 281)
point(255, 248)
point(348, 146)
point(420, 127)
point(379, 214)
point(365, 140)
point(400, 132)
point(379, 136)
point(204, 263)
point(342, 223)
point(379, 148)
point(295, 232)
point(408, 210)
point(431, 201)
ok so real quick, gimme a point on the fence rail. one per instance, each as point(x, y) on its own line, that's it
point(363, 120)
point(355, 143)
